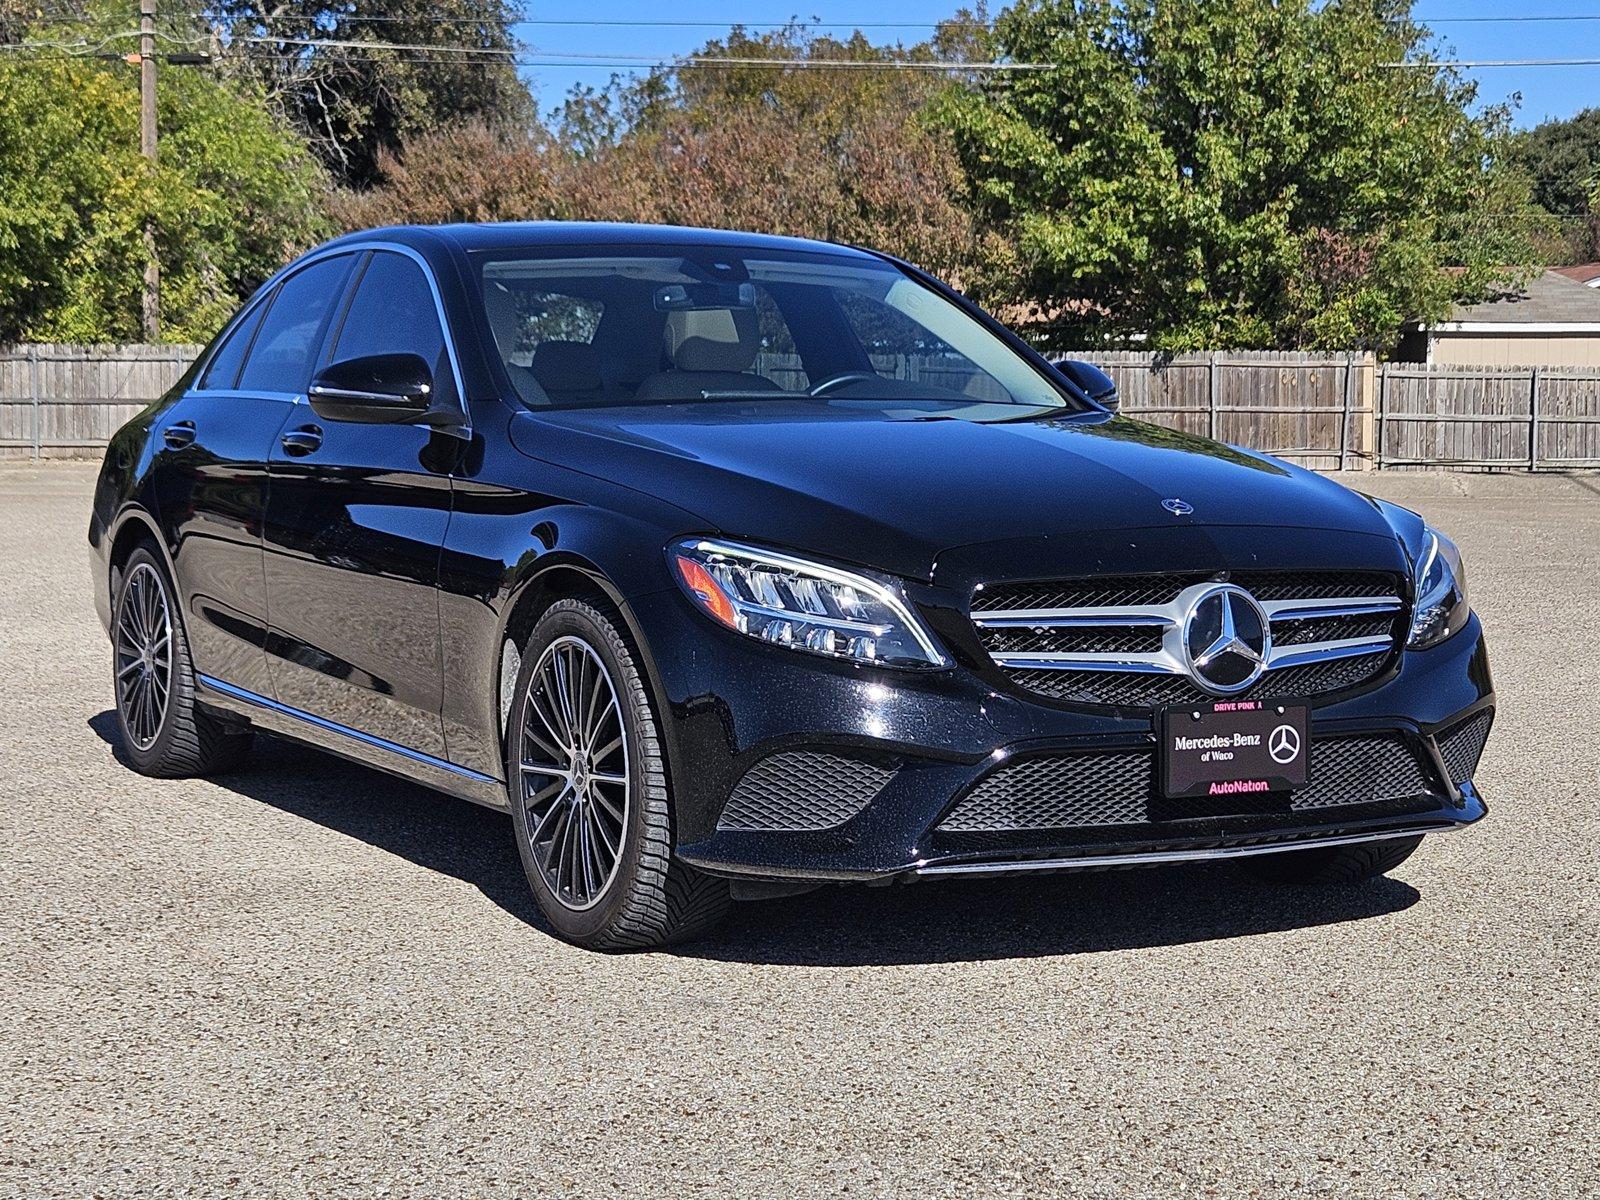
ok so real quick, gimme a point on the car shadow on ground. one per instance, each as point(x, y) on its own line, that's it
point(944, 921)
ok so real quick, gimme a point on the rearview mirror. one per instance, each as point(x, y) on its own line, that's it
point(1102, 389)
point(689, 297)
point(378, 389)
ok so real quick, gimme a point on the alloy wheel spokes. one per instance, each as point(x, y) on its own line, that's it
point(143, 656)
point(574, 772)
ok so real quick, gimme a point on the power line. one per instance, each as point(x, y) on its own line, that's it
point(636, 23)
point(1517, 19)
point(744, 23)
point(558, 59)
point(412, 51)
point(1473, 64)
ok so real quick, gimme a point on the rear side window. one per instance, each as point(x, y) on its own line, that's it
point(281, 359)
point(223, 369)
point(392, 313)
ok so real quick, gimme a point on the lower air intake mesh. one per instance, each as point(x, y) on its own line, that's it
point(1119, 788)
point(802, 790)
point(1462, 746)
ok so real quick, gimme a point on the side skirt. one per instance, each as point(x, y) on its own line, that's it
point(364, 748)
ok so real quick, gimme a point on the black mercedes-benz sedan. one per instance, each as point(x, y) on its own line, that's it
point(733, 564)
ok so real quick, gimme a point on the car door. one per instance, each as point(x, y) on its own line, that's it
point(356, 517)
point(210, 474)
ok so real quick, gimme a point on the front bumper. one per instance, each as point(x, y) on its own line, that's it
point(924, 741)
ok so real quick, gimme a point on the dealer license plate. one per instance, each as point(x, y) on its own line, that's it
point(1234, 747)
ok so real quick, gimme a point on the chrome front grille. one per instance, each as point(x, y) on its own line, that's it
point(1118, 641)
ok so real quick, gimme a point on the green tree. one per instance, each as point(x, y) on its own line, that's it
point(1563, 160)
point(1200, 173)
point(359, 77)
point(838, 153)
point(1562, 157)
point(233, 196)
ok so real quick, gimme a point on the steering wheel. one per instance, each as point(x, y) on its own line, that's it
point(835, 382)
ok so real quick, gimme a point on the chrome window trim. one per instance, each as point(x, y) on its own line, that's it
point(270, 288)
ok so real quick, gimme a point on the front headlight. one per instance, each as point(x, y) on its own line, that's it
point(1441, 591)
point(803, 605)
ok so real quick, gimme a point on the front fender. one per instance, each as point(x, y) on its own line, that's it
point(122, 494)
point(510, 550)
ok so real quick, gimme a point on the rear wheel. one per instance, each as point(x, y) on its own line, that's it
point(164, 732)
point(1334, 864)
point(590, 803)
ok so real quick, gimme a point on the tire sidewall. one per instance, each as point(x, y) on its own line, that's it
point(156, 752)
point(576, 620)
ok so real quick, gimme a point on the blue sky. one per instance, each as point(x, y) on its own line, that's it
point(1546, 91)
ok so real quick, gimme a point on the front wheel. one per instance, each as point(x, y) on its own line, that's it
point(589, 795)
point(164, 732)
point(1334, 864)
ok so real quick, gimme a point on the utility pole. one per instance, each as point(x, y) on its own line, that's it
point(147, 147)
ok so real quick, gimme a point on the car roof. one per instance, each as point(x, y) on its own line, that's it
point(516, 235)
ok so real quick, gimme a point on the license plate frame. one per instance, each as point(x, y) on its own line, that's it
point(1207, 749)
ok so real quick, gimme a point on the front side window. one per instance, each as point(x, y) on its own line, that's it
point(285, 348)
point(393, 312)
point(701, 325)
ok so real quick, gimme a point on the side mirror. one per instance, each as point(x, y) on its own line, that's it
point(378, 389)
point(1102, 389)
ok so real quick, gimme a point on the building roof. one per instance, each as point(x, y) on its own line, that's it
point(1549, 300)
point(1587, 274)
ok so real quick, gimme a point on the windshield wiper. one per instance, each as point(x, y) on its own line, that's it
point(754, 394)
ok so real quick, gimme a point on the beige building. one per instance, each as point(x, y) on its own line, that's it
point(1553, 321)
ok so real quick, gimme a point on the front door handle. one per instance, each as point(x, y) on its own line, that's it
point(302, 441)
point(178, 435)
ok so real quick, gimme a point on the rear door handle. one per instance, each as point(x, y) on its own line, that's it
point(178, 435)
point(302, 441)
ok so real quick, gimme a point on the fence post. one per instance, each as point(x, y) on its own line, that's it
point(1211, 396)
point(1383, 400)
point(1533, 419)
point(1344, 412)
point(34, 398)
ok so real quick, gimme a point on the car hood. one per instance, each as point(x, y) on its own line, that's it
point(900, 495)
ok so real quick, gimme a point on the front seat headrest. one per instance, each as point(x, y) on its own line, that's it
point(713, 339)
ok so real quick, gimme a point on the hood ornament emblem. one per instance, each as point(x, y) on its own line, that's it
point(1178, 508)
point(1227, 639)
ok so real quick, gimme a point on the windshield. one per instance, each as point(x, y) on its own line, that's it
point(702, 325)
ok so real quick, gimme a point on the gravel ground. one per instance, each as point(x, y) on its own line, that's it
point(311, 980)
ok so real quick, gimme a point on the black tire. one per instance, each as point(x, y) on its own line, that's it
point(1334, 865)
point(651, 898)
point(186, 741)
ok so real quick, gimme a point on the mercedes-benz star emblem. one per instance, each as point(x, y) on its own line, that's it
point(1178, 508)
point(1284, 744)
point(1226, 639)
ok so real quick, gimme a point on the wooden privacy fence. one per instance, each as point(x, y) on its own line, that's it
point(1322, 410)
point(1348, 411)
point(57, 400)
point(1528, 417)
